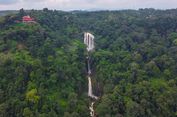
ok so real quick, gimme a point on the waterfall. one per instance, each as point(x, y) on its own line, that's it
point(89, 41)
point(90, 94)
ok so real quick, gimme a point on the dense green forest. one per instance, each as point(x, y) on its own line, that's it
point(43, 66)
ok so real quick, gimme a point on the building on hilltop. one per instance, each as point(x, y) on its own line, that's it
point(28, 19)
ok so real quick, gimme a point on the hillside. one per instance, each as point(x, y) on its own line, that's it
point(43, 65)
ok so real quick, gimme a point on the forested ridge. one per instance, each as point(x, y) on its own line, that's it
point(43, 65)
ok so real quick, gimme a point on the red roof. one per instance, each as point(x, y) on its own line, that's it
point(27, 18)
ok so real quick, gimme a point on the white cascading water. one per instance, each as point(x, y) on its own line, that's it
point(92, 112)
point(90, 94)
point(89, 41)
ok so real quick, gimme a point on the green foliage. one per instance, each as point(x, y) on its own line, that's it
point(32, 96)
point(175, 42)
point(27, 113)
point(134, 65)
